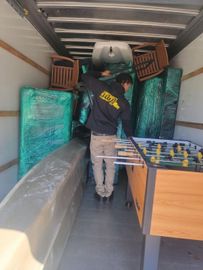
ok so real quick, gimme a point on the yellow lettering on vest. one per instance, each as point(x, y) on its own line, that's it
point(113, 101)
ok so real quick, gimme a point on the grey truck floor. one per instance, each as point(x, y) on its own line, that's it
point(107, 236)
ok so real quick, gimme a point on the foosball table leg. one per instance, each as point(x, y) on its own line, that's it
point(150, 253)
point(128, 204)
point(129, 199)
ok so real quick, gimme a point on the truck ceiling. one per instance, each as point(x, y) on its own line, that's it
point(73, 27)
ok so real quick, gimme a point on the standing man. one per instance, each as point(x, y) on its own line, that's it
point(109, 105)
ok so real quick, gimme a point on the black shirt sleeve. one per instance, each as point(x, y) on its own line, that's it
point(126, 120)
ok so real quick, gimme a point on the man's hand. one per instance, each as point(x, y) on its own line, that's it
point(106, 73)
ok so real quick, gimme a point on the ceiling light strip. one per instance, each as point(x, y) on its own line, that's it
point(81, 57)
point(113, 33)
point(79, 47)
point(80, 53)
point(66, 4)
point(119, 22)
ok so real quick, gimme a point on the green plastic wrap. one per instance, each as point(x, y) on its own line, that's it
point(171, 88)
point(85, 107)
point(120, 68)
point(45, 124)
point(149, 107)
point(84, 103)
point(130, 95)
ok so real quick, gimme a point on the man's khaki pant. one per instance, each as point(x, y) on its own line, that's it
point(105, 146)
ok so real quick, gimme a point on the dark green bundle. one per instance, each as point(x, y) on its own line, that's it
point(150, 102)
point(157, 105)
point(171, 85)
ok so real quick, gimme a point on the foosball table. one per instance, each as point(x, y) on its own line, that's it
point(166, 182)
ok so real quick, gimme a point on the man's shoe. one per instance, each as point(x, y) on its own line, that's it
point(98, 197)
point(109, 198)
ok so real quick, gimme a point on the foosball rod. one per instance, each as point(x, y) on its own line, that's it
point(120, 146)
point(162, 142)
point(128, 154)
point(193, 150)
point(118, 157)
point(156, 156)
point(179, 163)
point(129, 163)
point(166, 154)
point(117, 140)
point(130, 150)
point(168, 145)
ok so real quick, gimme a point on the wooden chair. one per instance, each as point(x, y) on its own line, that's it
point(149, 64)
point(64, 73)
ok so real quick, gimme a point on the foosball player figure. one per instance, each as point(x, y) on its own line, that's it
point(185, 154)
point(171, 153)
point(185, 163)
point(179, 148)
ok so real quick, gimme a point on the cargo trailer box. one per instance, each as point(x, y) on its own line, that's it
point(37, 212)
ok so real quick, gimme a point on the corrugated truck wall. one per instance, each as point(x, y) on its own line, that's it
point(189, 120)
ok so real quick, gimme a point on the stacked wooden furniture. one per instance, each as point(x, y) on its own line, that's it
point(150, 63)
point(64, 73)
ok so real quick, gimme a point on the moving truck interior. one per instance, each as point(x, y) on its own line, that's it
point(49, 217)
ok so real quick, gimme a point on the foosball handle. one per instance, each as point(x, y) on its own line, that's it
point(126, 154)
